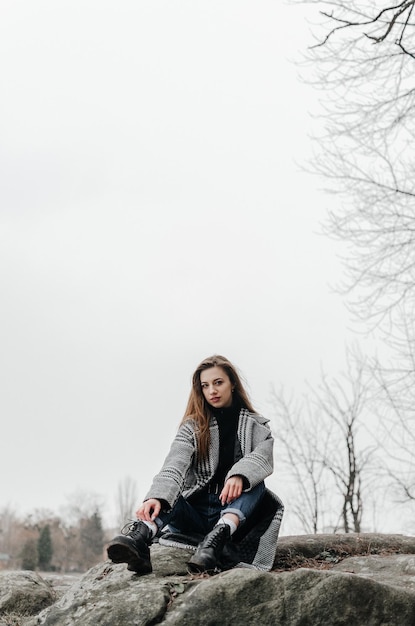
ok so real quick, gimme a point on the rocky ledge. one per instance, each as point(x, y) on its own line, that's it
point(366, 580)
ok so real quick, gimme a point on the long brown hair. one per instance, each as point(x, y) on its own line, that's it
point(200, 411)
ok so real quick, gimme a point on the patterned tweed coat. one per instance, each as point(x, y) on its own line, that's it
point(185, 473)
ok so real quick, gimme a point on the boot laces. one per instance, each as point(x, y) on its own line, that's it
point(216, 537)
point(133, 528)
point(129, 526)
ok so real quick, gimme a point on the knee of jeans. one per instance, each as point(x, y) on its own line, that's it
point(236, 512)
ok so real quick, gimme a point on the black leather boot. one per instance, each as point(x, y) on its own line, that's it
point(132, 547)
point(209, 551)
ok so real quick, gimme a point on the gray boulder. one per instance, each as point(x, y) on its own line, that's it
point(331, 589)
point(397, 570)
point(295, 598)
point(24, 593)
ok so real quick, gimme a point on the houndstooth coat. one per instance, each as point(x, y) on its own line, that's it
point(185, 473)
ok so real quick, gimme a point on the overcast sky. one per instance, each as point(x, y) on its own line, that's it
point(153, 211)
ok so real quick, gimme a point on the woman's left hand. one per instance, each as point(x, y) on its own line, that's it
point(232, 489)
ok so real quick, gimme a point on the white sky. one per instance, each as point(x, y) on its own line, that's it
point(152, 213)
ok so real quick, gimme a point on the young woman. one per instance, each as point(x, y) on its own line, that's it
point(211, 485)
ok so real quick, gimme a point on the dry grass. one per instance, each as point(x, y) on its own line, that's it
point(327, 558)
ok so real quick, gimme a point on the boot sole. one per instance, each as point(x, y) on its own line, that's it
point(200, 568)
point(121, 553)
point(139, 566)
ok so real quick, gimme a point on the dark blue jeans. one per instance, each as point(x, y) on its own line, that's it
point(200, 512)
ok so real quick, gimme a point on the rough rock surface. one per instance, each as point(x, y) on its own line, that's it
point(397, 570)
point(304, 596)
point(24, 593)
point(320, 585)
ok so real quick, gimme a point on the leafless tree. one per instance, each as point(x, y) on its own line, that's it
point(323, 447)
point(363, 60)
point(301, 438)
point(81, 504)
point(395, 403)
point(82, 507)
point(9, 541)
point(127, 500)
point(344, 403)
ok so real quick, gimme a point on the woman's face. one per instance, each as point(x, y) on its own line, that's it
point(216, 387)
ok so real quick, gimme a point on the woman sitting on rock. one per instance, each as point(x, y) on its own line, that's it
point(211, 486)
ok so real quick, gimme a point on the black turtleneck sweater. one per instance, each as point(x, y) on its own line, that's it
point(227, 419)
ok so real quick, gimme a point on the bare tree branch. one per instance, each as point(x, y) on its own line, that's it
point(321, 449)
point(365, 150)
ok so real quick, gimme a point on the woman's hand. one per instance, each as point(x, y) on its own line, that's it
point(231, 490)
point(149, 510)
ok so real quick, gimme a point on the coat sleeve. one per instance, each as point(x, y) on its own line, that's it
point(257, 445)
point(168, 483)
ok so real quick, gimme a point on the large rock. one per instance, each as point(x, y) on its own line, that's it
point(24, 593)
point(358, 590)
point(341, 546)
point(397, 570)
point(296, 598)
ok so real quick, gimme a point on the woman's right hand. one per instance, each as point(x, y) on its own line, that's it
point(149, 510)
